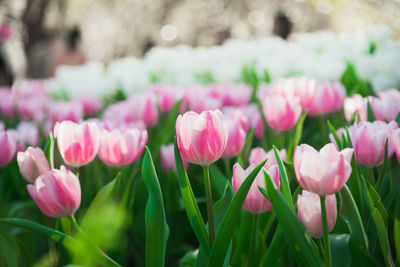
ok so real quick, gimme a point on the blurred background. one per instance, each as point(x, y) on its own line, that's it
point(44, 32)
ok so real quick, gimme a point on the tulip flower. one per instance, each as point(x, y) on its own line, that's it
point(309, 212)
point(168, 158)
point(57, 193)
point(77, 143)
point(167, 95)
point(255, 201)
point(32, 163)
point(28, 133)
point(369, 140)
point(258, 155)
point(281, 113)
point(324, 172)
point(395, 139)
point(340, 132)
point(6, 101)
point(120, 148)
point(8, 145)
point(237, 132)
point(199, 99)
point(231, 94)
point(254, 118)
point(59, 111)
point(329, 97)
point(354, 104)
point(201, 138)
point(302, 88)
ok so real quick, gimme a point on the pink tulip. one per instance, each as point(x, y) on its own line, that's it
point(309, 212)
point(57, 193)
point(395, 139)
point(90, 104)
point(329, 97)
point(324, 172)
point(390, 100)
point(77, 143)
point(353, 104)
point(281, 113)
point(369, 142)
point(340, 132)
point(201, 137)
point(265, 90)
point(8, 145)
point(302, 88)
point(199, 99)
point(237, 132)
point(32, 107)
point(167, 94)
point(253, 116)
point(231, 94)
point(255, 201)
point(59, 111)
point(168, 158)
point(6, 101)
point(120, 148)
point(143, 108)
point(258, 155)
point(32, 164)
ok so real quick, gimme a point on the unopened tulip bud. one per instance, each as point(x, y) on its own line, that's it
point(32, 163)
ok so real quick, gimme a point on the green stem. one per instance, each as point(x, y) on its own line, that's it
point(102, 253)
point(253, 239)
point(320, 247)
point(207, 187)
point(322, 128)
point(326, 232)
point(371, 176)
point(51, 151)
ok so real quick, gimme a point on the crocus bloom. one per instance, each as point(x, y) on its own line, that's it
point(353, 104)
point(309, 212)
point(301, 87)
point(258, 155)
point(324, 172)
point(237, 131)
point(329, 97)
point(8, 145)
point(78, 143)
point(120, 148)
point(167, 155)
point(395, 139)
point(255, 201)
point(281, 113)
point(57, 193)
point(369, 140)
point(201, 138)
point(32, 163)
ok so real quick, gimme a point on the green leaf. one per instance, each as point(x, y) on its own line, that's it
point(297, 237)
point(284, 181)
point(337, 139)
point(8, 253)
point(397, 228)
point(297, 136)
point(49, 149)
point(192, 209)
point(157, 230)
point(227, 228)
point(370, 112)
point(340, 250)
point(274, 253)
point(380, 226)
point(398, 118)
point(243, 156)
point(351, 215)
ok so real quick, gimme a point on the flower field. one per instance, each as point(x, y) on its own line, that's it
point(266, 153)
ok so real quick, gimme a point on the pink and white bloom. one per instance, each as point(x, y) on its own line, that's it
point(201, 138)
point(301, 87)
point(281, 113)
point(231, 94)
point(59, 111)
point(32, 163)
point(77, 143)
point(167, 95)
point(329, 97)
point(120, 148)
point(353, 104)
point(255, 201)
point(8, 145)
point(322, 172)
point(199, 99)
point(395, 139)
point(57, 193)
point(258, 155)
point(369, 140)
point(237, 132)
point(6, 101)
point(340, 132)
point(309, 212)
point(167, 155)
point(254, 118)
point(28, 133)
point(90, 104)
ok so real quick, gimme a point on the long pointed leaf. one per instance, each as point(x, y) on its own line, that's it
point(285, 186)
point(192, 209)
point(157, 230)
